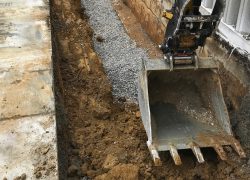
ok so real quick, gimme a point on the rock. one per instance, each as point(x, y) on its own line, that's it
point(138, 114)
point(100, 39)
point(45, 150)
point(72, 170)
point(22, 177)
point(121, 171)
point(110, 161)
point(122, 99)
point(38, 174)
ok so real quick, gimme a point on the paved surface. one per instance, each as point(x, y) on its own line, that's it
point(27, 120)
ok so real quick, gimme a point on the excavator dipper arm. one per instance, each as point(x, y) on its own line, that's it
point(187, 29)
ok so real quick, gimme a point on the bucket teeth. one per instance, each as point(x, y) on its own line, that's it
point(154, 154)
point(175, 155)
point(197, 152)
point(237, 147)
point(220, 151)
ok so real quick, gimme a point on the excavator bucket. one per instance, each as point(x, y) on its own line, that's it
point(184, 109)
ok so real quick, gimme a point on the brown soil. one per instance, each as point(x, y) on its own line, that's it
point(100, 139)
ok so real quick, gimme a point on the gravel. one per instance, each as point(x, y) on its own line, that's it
point(121, 58)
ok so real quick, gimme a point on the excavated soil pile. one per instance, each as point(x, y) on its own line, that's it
point(97, 138)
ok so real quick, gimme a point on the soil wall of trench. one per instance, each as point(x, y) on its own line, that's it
point(100, 139)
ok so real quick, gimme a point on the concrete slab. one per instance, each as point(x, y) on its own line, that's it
point(11, 12)
point(25, 94)
point(27, 109)
point(25, 59)
point(28, 145)
point(23, 3)
point(21, 33)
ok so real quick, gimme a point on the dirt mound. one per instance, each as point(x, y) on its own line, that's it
point(100, 139)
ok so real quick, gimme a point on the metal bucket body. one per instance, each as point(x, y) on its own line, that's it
point(184, 109)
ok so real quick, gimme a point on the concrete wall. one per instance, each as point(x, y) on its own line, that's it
point(235, 24)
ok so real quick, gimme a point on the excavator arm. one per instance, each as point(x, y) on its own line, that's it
point(187, 29)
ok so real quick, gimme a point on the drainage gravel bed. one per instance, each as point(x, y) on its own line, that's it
point(121, 58)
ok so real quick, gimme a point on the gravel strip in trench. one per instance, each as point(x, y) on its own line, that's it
point(121, 58)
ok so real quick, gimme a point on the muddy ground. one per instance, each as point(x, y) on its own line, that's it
point(100, 139)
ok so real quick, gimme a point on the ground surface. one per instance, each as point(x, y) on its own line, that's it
point(106, 140)
point(27, 113)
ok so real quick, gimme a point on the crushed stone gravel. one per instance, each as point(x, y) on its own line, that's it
point(121, 58)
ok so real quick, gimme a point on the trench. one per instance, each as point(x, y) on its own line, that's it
point(99, 138)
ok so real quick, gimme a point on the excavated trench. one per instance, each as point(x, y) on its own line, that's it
point(98, 138)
